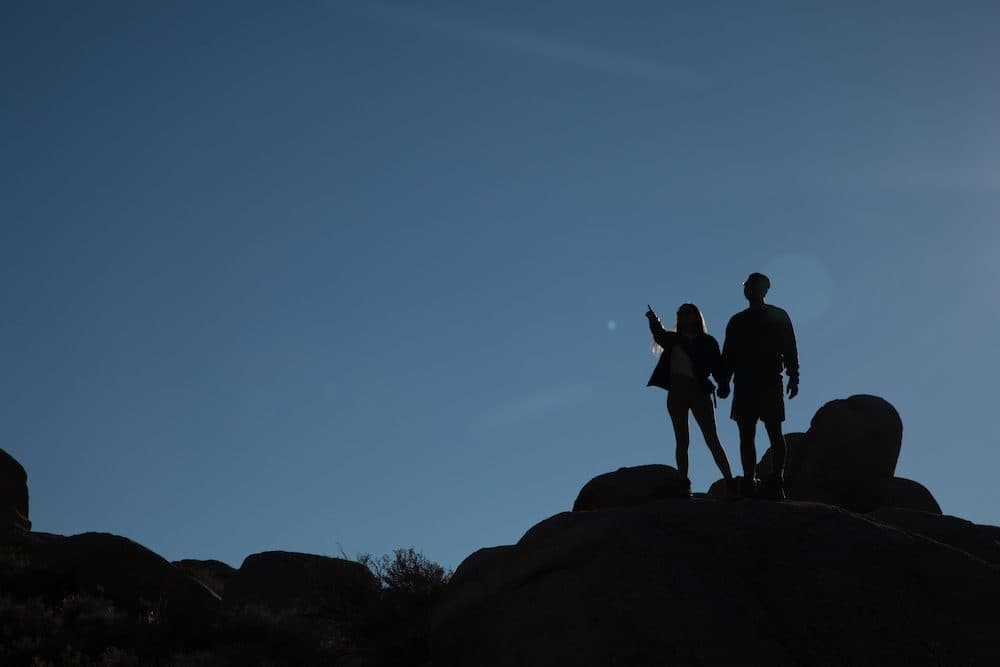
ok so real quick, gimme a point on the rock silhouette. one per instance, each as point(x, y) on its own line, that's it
point(851, 447)
point(646, 576)
point(288, 580)
point(847, 458)
point(902, 493)
point(13, 495)
point(212, 573)
point(120, 570)
point(640, 573)
point(653, 584)
point(630, 486)
point(97, 598)
point(982, 542)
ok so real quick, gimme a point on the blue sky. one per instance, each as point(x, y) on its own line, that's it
point(329, 276)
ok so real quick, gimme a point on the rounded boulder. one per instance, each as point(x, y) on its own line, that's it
point(284, 580)
point(906, 494)
point(122, 570)
point(852, 447)
point(626, 487)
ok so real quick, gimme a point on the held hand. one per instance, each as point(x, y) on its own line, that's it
point(722, 391)
point(793, 390)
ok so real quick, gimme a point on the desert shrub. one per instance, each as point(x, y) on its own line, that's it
point(407, 573)
point(397, 631)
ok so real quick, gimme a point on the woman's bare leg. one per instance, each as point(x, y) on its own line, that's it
point(679, 418)
point(704, 414)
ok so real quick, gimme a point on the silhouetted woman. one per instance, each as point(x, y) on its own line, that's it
point(689, 355)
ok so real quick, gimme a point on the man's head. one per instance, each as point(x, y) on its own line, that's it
point(756, 286)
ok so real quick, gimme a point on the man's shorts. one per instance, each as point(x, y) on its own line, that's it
point(761, 399)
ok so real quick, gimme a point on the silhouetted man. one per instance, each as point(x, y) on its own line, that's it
point(760, 342)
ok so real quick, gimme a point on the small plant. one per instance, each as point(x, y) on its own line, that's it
point(398, 630)
point(407, 572)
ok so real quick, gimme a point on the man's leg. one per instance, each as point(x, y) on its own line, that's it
point(678, 411)
point(777, 439)
point(748, 448)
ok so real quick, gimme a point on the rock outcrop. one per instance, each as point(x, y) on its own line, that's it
point(13, 495)
point(284, 580)
point(632, 486)
point(121, 570)
point(704, 582)
point(114, 567)
point(851, 447)
point(848, 457)
point(980, 541)
point(903, 493)
point(212, 573)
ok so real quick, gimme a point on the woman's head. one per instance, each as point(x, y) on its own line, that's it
point(690, 321)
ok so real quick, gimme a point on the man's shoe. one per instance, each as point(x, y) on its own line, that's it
point(747, 488)
point(732, 489)
point(772, 490)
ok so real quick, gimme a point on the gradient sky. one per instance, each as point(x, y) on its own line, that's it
point(349, 276)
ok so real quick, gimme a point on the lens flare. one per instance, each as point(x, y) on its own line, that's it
point(800, 284)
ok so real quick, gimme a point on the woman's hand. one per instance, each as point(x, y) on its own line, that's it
point(649, 313)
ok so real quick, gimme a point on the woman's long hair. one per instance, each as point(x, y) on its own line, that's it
point(685, 307)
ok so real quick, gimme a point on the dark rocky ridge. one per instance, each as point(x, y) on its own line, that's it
point(860, 567)
point(708, 582)
point(101, 599)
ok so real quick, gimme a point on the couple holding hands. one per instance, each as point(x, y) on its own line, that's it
point(759, 344)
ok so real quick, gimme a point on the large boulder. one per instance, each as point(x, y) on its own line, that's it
point(718, 488)
point(284, 580)
point(983, 542)
point(906, 494)
point(848, 457)
point(665, 583)
point(121, 570)
point(13, 495)
point(852, 445)
point(212, 573)
point(632, 486)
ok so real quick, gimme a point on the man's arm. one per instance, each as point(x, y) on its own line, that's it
point(790, 355)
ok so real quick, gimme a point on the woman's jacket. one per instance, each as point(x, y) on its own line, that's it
point(703, 350)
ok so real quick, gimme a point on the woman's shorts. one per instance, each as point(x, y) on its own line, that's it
point(685, 394)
